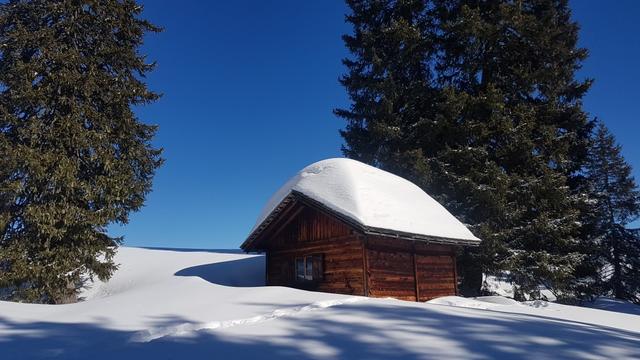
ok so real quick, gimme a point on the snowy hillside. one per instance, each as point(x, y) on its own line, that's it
point(189, 304)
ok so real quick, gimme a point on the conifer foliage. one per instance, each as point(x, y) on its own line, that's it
point(615, 204)
point(73, 156)
point(478, 103)
point(388, 83)
point(508, 69)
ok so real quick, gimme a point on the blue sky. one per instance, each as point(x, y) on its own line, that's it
point(249, 89)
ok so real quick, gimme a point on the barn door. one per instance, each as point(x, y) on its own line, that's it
point(391, 274)
point(436, 276)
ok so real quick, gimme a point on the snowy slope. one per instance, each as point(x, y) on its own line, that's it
point(372, 197)
point(184, 304)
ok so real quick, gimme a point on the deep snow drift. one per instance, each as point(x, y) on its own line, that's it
point(190, 304)
point(372, 197)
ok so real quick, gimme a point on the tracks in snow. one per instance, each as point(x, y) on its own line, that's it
point(186, 328)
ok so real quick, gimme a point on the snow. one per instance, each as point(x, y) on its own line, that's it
point(502, 286)
point(372, 197)
point(603, 303)
point(616, 319)
point(172, 304)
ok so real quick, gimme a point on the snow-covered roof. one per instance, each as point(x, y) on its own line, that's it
point(372, 197)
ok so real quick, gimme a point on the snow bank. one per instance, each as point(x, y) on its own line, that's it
point(615, 305)
point(502, 286)
point(583, 315)
point(372, 197)
point(191, 305)
point(482, 302)
point(186, 328)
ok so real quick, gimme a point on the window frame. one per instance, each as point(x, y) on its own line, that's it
point(310, 265)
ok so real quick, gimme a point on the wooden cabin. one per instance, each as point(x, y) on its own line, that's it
point(331, 229)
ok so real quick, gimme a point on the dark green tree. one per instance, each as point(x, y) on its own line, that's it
point(74, 158)
point(615, 204)
point(509, 66)
point(388, 82)
point(493, 123)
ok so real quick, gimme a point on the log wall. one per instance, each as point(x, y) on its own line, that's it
point(409, 270)
point(391, 270)
point(435, 276)
point(356, 264)
point(315, 233)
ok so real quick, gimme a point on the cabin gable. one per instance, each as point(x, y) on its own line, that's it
point(308, 225)
point(315, 251)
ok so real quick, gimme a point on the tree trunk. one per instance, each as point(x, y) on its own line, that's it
point(616, 279)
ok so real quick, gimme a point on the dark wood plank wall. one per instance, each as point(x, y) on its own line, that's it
point(353, 263)
point(391, 270)
point(436, 268)
point(435, 276)
point(314, 232)
point(409, 270)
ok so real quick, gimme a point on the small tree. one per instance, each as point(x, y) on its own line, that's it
point(616, 203)
point(73, 155)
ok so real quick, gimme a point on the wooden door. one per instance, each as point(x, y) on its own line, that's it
point(391, 274)
point(436, 276)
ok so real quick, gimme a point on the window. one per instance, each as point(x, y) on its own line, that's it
point(309, 268)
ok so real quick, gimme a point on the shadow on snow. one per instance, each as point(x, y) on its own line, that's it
point(391, 332)
point(245, 272)
point(365, 330)
point(615, 306)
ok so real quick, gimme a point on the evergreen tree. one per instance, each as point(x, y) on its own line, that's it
point(387, 81)
point(494, 121)
point(509, 69)
point(73, 156)
point(616, 203)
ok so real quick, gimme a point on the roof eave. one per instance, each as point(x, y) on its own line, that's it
point(296, 195)
point(423, 238)
point(266, 222)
